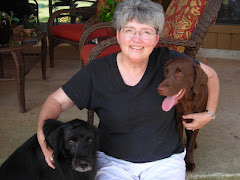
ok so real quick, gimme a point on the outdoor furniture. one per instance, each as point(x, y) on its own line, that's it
point(71, 33)
point(15, 65)
point(35, 9)
point(183, 31)
point(71, 4)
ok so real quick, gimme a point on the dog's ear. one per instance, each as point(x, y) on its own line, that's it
point(53, 133)
point(55, 141)
point(50, 125)
point(200, 78)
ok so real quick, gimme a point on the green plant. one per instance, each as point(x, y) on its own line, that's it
point(32, 19)
point(11, 18)
point(106, 11)
point(29, 22)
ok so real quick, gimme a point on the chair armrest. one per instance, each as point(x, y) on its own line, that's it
point(51, 19)
point(96, 51)
point(178, 42)
point(84, 38)
point(91, 21)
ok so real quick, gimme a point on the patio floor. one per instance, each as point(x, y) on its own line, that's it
point(218, 152)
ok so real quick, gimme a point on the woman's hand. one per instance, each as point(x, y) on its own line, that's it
point(55, 104)
point(199, 120)
point(47, 152)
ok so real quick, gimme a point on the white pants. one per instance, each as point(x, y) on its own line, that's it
point(171, 168)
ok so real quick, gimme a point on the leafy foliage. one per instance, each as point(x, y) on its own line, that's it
point(107, 10)
point(4, 15)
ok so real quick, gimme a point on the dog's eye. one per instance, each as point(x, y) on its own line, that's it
point(180, 74)
point(178, 70)
point(89, 141)
point(70, 141)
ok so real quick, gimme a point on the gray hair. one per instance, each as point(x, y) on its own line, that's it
point(143, 11)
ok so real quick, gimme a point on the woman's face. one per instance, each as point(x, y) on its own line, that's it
point(136, 48)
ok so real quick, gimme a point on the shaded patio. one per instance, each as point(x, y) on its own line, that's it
point(217, 155)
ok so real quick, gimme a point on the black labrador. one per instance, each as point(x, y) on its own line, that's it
point(74, 145)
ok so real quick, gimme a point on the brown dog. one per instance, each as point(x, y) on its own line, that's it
point(185, 86)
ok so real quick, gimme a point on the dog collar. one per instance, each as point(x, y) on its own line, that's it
point(213, 115)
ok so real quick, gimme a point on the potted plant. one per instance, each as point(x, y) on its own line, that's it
point(5, 26)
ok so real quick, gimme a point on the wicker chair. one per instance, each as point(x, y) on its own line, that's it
point(67, 33)
point(187, 44)
point(71, 33)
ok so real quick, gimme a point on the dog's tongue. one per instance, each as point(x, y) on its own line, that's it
point(168, 102)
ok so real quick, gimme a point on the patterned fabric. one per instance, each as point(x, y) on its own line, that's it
point(181, 18)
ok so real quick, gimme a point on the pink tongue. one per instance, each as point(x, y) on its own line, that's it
point(168, 103)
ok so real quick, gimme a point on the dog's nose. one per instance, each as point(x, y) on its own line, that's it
point(162, 90)
point(83, 164)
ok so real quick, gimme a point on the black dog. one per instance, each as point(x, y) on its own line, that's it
point(74, 147)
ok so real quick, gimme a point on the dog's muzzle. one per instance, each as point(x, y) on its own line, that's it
point(82, 166)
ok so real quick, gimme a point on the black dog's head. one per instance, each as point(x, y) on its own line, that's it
point(74, 144)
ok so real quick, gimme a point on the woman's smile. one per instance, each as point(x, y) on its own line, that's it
point(137, 47)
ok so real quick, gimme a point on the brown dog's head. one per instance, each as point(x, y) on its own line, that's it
point(181, 76)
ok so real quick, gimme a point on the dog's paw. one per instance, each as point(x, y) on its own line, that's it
point(190, 166)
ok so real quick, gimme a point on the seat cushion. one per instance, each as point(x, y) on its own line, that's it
point(85, 51)
point(181, 18)
point(71, 32)
point(74, 32)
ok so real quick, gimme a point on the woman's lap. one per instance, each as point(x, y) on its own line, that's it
point(170, 168)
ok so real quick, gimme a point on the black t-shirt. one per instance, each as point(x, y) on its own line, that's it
point(132, 126)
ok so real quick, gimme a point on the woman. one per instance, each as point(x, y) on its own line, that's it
point(138, 140)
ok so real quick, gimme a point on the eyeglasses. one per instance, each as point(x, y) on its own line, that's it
point(144, 34)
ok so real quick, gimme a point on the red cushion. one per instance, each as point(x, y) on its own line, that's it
point(71, 32)
point(74, 32)
point(85, 51)
point(181, 19)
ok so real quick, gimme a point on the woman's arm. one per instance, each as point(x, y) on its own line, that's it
point(55, 104)
point(201, 119)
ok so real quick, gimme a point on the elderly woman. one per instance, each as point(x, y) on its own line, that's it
point(137, 139)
